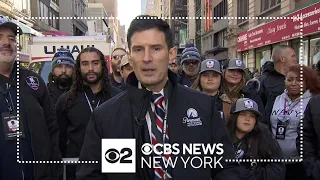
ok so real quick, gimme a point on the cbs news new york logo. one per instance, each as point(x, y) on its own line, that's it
point(119, 155)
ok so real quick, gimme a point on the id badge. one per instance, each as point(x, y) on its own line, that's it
point(10, 126)
point(281, 128)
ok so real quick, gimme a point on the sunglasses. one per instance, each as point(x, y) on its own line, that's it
point(118, 57)
point(191, 62)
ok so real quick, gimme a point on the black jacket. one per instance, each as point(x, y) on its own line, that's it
point(44, 132)
point(271, 82)
point(262, 170)
point(73, 120)
point(311, 139)
point(184, 80)
point(54, 91)
point(120, 118)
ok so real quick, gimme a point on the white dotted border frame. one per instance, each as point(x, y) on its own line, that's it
point(203, 18)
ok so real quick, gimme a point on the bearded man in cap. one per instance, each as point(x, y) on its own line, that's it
point(60, 78)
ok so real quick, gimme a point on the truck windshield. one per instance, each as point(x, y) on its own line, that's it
point(42, 68)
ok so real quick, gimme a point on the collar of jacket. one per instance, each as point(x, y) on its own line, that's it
point(306, 94)
point(137, 94)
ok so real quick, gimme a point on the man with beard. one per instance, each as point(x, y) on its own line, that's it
point(190, 60)
point(38, 130)
point(116, 57)
point(91, 87)
point(60, 78)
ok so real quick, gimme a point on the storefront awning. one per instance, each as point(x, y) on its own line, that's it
point(55, 33)
point(26, 29)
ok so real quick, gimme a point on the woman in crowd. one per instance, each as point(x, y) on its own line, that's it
point(311, 139)
point(284, 112)
point(209, 81)
point(234, 86)
point(253, 140)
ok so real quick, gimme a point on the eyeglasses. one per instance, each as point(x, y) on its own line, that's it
point(118, 57)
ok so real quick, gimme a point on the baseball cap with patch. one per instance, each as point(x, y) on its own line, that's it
point(210, 65)
point(235, 63)
point(5, 22)
point(245, 104)
point(124, 61)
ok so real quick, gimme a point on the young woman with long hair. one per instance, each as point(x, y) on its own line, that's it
point(209, 80)
point(234, 86)
point(284, 112)
point(253, 140)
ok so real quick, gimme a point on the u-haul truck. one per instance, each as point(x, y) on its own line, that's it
point(42, 50)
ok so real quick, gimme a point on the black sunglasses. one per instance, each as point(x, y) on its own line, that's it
point(118, 56)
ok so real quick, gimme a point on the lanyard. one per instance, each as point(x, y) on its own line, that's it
point(164, 129)
point(285, 104)
point(85, 94)
point(10, 105)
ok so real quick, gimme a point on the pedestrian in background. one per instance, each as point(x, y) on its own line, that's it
point(253, 140)
point(36, 120)
point(91, 87)
point(234, 86)
point(284, 112)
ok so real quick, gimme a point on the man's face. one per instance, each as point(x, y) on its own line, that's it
point(8, 45)
point(191, 67)
point(173, 67)
point(116, 59)
point(63, 74)
point(125, 71)
point(90, 67)
point(289, 57)
point(150, 56)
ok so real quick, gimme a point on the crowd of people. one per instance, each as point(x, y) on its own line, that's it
point(255, 118)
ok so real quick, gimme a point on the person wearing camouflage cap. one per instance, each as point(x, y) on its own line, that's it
point(253, 140)
point(234, 86)
point(125, 70)
point(60, 78)
point(190, 61)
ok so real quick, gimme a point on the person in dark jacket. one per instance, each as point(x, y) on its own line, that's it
point(234, 86)
point(284, 114)
point(60, 78)
point(190, 61)
point(151, 49)
point(116, 56)
point(125, 70)
point(311, 139)
point(38, 131)
point(209, 81)
point(91, 87)
point(253, 140)
point(273, 74)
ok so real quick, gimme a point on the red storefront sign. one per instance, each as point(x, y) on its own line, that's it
point(306, 19)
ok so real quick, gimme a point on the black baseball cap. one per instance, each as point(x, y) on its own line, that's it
point(5, 22)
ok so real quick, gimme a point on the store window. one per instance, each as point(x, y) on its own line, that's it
point(315, 50)
point(244, 58)
point(262, 55)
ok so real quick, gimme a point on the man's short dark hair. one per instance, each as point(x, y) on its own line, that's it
point(118, 48)
point(145, 22)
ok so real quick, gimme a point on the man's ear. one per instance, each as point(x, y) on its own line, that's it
point(172, 54)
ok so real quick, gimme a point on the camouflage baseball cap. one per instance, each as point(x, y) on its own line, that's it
point(245, 104)
point(210, 65)
point(124, 61)
point(6, 22)
point(235, 63)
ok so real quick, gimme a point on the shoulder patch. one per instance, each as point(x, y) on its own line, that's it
point(33, 82)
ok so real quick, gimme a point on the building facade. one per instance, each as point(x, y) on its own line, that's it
point(150, 7)
point(76, 26)
point(143, 6)
point(179, 8)
point(256, 38)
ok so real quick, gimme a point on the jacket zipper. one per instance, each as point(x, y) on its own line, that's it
point(22, 172)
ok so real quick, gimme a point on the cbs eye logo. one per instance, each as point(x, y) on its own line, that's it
point(113, 155)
